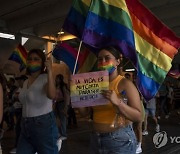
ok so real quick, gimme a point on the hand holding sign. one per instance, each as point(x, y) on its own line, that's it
point(111, 96)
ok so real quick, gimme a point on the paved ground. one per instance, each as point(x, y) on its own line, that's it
point(78, 138)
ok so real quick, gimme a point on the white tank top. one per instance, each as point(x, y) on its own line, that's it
point(34, 99)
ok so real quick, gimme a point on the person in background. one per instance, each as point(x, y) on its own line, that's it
point(176, 92)
point(163, 92)
point(138, 129)
point(170, 97)
point(112, 123)
point(9, 111)
point(3, 95)
point(137, 126)
point(127, 76)
point(62, 100)
point(150, 111)
point(72, 121)
point(17, 109)
point(1, 102)
point(39, 132)
point(1, 109)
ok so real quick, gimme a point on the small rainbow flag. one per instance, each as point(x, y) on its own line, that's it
point(130, 27)
point(19, 55)
point(68, 54)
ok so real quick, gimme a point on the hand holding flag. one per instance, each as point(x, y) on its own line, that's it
point(48, 64)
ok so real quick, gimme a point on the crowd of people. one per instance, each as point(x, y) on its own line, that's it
point(38, 108)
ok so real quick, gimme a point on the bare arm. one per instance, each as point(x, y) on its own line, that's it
point(50, 86)
point(132, 110)
point(1, 103)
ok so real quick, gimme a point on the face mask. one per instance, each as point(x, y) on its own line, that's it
point(107, 66)
point(34, 67)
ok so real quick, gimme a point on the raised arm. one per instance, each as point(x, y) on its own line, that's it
point(50, 86)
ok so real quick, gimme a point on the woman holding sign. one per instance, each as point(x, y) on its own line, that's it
point(39, 131)
point(112, 123)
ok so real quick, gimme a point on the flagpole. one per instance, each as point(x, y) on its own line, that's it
point(77, 57)
point(59, 36)
point(56, 42)
point(48, 53)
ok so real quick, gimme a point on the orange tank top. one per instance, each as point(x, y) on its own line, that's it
point(106, 114)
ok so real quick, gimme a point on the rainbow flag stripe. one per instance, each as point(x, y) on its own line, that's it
point(135, 31)
point(75, 22)
point(89, 61)
point(67, 54)
point(86, 89)
point(19, 55)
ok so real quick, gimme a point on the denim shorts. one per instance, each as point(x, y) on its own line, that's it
point(38, 134)
point(151, 112)
point(121, 141)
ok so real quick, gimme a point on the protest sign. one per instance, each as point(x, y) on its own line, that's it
point(86, 89)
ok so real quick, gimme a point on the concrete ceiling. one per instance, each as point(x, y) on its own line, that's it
point(45, 17)
point(37, 18)
point(33, 17)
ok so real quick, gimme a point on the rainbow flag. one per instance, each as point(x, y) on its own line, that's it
point(137, 33)
point(76, 19)
point(67, 54)
point(19, 55)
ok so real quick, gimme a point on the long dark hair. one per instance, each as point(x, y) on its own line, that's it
point(113, 51)
point(60, 82)
point(40, 53)
point(3, 81)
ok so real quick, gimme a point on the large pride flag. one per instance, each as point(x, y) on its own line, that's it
point(135, 31)
point(19, 55)
point(68, 55)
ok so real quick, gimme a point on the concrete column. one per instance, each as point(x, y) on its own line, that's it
point(48, 48)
